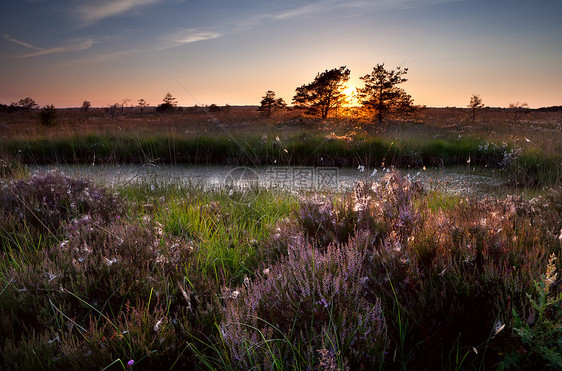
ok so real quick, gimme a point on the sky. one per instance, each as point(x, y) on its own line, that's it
point(232, 51)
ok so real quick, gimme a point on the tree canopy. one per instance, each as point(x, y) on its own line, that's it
point(27, 104)
point(170, 103)
point(475, 104)
point(270, 104)
point(324, 93)
point(381, 95)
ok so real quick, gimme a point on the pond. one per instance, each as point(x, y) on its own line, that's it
point(463, 181)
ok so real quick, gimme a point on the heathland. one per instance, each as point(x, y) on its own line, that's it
point(390, 276)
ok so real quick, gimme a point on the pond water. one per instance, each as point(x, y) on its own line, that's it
point(463, 181)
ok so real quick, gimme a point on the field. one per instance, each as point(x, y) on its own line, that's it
point(390, 276)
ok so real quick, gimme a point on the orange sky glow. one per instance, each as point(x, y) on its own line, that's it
point(233, 52)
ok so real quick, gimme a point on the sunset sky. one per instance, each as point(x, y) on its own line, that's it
point(232, 51)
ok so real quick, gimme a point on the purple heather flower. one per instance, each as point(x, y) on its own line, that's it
point(130, 363)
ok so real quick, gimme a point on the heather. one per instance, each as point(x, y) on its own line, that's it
point(391, 276)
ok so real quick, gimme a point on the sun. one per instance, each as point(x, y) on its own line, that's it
point(350, 94)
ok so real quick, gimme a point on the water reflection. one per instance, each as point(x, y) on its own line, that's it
point(455, 180)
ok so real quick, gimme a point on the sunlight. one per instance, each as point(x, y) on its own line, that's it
point(350, 93)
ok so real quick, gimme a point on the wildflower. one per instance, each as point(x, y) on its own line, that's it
point(57, 338)
point(551, 274)
point(361, 168)
point(266, 272)
point(130, 363)
point(51, 276)
point(110, 262)
point(157, 325)
point(234, 294)
point(498, 327)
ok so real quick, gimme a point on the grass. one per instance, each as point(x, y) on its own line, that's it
point(178, 276)
point(527, 150)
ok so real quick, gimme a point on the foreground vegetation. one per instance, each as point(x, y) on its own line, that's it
point(390, 277)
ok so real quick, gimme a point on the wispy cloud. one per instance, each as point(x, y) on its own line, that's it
point(95, 11)
point(358, 6)
point(22, 43)
point(193, 35)
point(303, 10)
point(175, 39)
point(75, 45)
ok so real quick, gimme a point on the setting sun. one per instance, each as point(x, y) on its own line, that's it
point(350, 94)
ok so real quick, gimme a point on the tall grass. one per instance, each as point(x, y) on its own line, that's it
point(241, 137)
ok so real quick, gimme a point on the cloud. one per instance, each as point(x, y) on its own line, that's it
point(359, 6)
point(95, 11)
point(22, 43)
point(191, 35)
point(81, 45)
point(303, 10)
point(73, 46)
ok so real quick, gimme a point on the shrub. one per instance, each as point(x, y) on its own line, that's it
point(307, 309)
point(48, 116)
point(46, 201)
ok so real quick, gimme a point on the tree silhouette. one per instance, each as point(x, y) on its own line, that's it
point(27, 104)
point(324, 93)
point(169, 104)
point(85, 106)
point(475, 105)
point(269, 104)
point(170, 99)
point(518, 109)
point(123, 102)
point(48, 116)
point(381, 95)
point(142, 104)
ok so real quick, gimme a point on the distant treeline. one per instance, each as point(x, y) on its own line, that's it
point(550, 109)
point(201, 109)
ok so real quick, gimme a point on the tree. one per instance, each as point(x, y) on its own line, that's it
point(170, 99)
point(324, 93)
point(518, 109)
point(113, 109)
point(475, 105)
point(85, 106)
point(48, 116)
point(381, 95)
point(27, 104)
point(123, 102)
point(269, 104)
point(169, 104)
point(142, 104)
